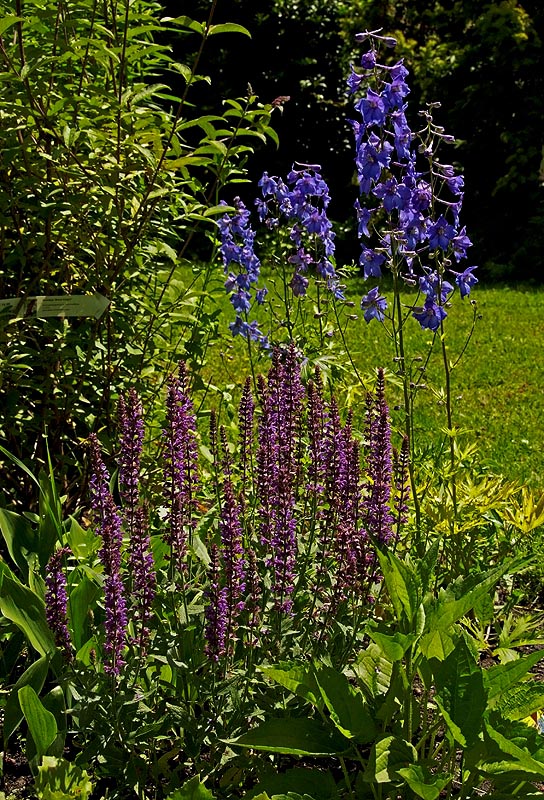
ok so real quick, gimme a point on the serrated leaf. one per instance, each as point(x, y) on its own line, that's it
point(502, 677)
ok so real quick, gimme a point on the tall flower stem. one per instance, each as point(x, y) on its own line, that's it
point(451, 443)
point(398, 335)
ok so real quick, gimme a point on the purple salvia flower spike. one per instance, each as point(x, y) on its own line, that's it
point(378, 516)
point(144, 579)
point(108, 521)
point(56, 601)
point(246, 413)
point(181, 471)
point(216, 611)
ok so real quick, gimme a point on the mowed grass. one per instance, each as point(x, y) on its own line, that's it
point(497, 386)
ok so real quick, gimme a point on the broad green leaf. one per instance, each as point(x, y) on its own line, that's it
point(34, 676)
point(502, 677)
point(59, 779)
point(519, 759)
point(193, 789)
point(8, 21)
point(461, 695)
point(346, 705)
point(41, 722)
point(297, 737)
point(423, 782)
point(315, 782)
point(403, 585)
point(522, 700)
point(82, 542)
point(228, 27)
point(27, 611)
point(54, 702)
point(393, 645)
point(448, 609)
point(437, 644)
point(298, 679)
point(80, 602)
point(20, 538)
point(387, 756)
point(373, 670)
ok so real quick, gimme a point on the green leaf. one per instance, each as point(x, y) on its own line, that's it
point(314, 782)
point(20, 538)
point(41, 722)
point(228, 27)
point(519, 759)
point(373, 670)
point(450, 606)
point(393, 645)
point(298, 679)
point(8, 21)
point(193, 789)
point(402, 584)
point(522, 700)
point(296, 737)
point(461, 695)
point(502, 677)
point(423, 782)
point(82, 542)
point(387, 756)
point(35, 677)
point(346, 705)
point(27, 611)
point(59, 779)
point(80, 601)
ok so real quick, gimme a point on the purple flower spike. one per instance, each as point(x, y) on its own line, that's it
point(56, 601)
point(216, 612)
point(130, 442)
point(181, 470)
point(108, 521)
point(378, 517)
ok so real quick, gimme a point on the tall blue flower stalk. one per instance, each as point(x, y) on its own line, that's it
point(108, 523)
point(410, 201)
point(408, 214)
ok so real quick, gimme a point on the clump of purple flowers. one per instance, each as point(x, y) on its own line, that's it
point(402, 181)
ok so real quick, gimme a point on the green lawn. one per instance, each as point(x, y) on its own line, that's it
point(497, 386)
